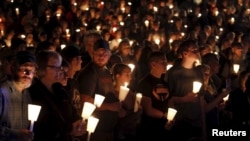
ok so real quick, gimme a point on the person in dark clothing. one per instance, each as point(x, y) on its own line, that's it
point(58, 120)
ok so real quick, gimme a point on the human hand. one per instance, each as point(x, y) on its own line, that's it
point(190, 97)
point(24, 135)
point(79, 128)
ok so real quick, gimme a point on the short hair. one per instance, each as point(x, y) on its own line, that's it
point(185, 45)
point(209, 57)
point(42, 60)
point(118, 68)
point(92, 33)
point(155, 56)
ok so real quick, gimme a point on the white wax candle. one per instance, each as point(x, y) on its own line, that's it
point(137, 101)
point(123, 92)
point(98, 100)
point(171, 114)
point(196, 86)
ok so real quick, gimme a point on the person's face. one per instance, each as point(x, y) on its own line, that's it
point(237, 51)
point(214, 66)
point(53, 70)
point(63, 76)
point(160, 65)
point(76, 63)
point(125, 76)
point(192, 54)
point(206, 75)
point(101, 57)
point(25, 75)
point(89, 44)
point(125, 49)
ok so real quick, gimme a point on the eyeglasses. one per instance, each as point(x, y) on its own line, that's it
point(26, 71)
point(57, 68)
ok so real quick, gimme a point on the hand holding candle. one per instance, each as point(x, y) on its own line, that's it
point(33, 112)
point(123, 92)
point(91, 125)
point(196, 86)
point(137, 101)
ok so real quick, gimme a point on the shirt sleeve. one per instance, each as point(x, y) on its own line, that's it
point(87, 82)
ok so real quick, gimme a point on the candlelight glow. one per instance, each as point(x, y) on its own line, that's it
point(196, 86)
point(137, 101)
point(171, 114)
point(146, 22)
point(236, 68)
point(87, 110)
point(123, 92)
point(132, 66)
point(98, 100)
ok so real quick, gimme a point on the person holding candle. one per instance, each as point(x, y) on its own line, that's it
point(190, 119)
point(238, 103)
point(14, 99)
point(128, 118)
point(58, 119)
point(72, 55)
point(95, 78)
point(154, 100)
point(213, 100)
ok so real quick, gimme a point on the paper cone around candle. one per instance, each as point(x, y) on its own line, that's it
point(88, 109)
point(33, 112)
point(98, 100)
point(137, 101)
point(196, 86)
point(171, 114)
point(132, 66)
point(123, 92)
point(92, 123)
point(236, 68)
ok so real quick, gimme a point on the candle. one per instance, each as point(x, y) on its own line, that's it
point(123, 92)
point(169, 66)
point(146, 22)
point(91, 125)
point(33, 112)
point(132, 66)
point(236, 68)
point(17, 11)
point(87, 110)
point(226, 97)
point(98, 27)
point(157, 41)
point(137, 101)
point(63, 46)
point(98, 100)
point(196, 86)
point(171, 114)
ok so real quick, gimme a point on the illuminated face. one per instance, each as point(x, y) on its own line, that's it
point(125, 76)
point(53, 70)
point(25, 75)
point(101, 57)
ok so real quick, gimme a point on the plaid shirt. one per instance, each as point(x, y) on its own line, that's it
point(13, 110)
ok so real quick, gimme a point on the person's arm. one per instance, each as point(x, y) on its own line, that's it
point(216, 101)
point(146, 104)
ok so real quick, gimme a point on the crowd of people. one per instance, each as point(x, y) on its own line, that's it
point(59, 53)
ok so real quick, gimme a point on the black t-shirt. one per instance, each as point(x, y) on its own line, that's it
point(93, 80)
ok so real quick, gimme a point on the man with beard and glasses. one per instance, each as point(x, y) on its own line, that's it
point(14, 99)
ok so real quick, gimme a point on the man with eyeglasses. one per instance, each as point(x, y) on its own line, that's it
point(14, 99)
point(58, 119)
point(154, 101)
point(95, 78)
